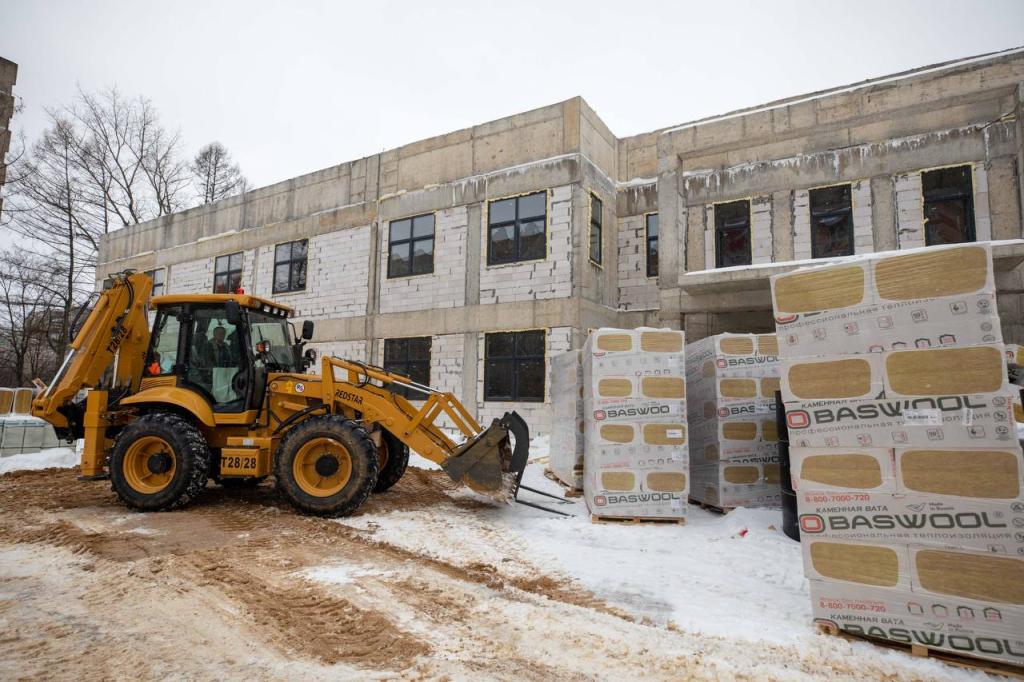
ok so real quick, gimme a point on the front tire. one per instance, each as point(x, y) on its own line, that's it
point(326, 466)
point(160, 461)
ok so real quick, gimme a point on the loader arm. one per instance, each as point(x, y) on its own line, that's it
point(114, 337)
point(485, 459)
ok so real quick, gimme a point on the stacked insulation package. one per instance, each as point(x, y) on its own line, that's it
point(634, 408)
point(731, 381)
point(904, 454)
point(566, 458)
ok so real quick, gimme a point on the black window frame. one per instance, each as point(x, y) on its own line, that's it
point(721, 228)
point(293, 264)
point(416, 368)
point(158, 287)
point(596, 225)
point(830, 213)
point(515, 360)
point(947, 194)
point(649, 241)
point(227, 273)
point(411, 241)
point(516, 223)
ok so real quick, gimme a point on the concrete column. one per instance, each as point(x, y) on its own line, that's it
point(671, 232)
point(696, 225)
point(883, 213)
point(1020, 146)
point(1003, 198)
point(782, 225)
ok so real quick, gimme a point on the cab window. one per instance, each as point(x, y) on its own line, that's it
point(216, 361)
point(163, 345)
point(273, 333)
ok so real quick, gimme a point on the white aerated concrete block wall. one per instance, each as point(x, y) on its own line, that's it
point(860, 199)
point(446, 361)
point(761, 229)
point(192, 277)
point(446, 286)
point(863, 230)
point(709, 236)
point(537, 415)
point(196, 277)
point(982, 218)
point(801, 224)
point(910, 208)
point(909, 211)
point(637, 291)
point(337, 272)
point(539, 279)
point(348, 350)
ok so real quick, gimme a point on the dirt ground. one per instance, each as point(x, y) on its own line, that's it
point(239, 586)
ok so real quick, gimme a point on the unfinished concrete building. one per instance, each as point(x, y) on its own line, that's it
point(467, 260)
point(8, 77)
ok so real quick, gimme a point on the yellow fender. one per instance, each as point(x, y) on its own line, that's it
point(172, 395)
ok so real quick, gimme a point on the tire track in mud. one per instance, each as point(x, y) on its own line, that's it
point(241, 560)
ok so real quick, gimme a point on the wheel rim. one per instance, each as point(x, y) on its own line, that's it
point(322, 467)
point(149, 465)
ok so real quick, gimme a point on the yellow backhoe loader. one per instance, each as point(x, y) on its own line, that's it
point(218, 388)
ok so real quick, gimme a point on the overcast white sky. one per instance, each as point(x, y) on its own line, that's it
point(294, 87)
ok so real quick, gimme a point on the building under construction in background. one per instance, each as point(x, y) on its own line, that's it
point(467, 260)
point(8, 77)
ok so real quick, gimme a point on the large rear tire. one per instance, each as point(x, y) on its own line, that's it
point(393, 458)
point(326, 466)
point(160, 461)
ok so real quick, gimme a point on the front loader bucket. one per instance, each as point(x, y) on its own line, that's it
point(488, 463)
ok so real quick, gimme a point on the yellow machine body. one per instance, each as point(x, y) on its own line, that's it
point(113, 377)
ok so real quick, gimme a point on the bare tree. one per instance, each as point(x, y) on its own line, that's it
point(215, 175)
point(104, 162)
point(30, 291)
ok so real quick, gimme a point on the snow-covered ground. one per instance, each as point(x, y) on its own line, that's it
point(727, 589)
point(44, 459)
point(731, 575)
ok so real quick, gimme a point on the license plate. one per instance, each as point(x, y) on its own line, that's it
point(238, 465)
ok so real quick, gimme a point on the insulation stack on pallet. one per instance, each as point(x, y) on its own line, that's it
point(731, 381)
point(566, 459)
point(904, 452)
point(635, 436)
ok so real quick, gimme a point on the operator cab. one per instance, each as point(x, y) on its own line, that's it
point(222, 346)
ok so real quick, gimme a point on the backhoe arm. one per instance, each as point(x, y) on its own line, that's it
point(114, 337)
point(486, 460)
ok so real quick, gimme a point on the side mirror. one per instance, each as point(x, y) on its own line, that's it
point(233, 313)
point(307, 330)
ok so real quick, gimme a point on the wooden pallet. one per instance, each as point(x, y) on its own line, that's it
point(711, 507)
point(950, 658)
point(635, 519)
point(568, 491)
